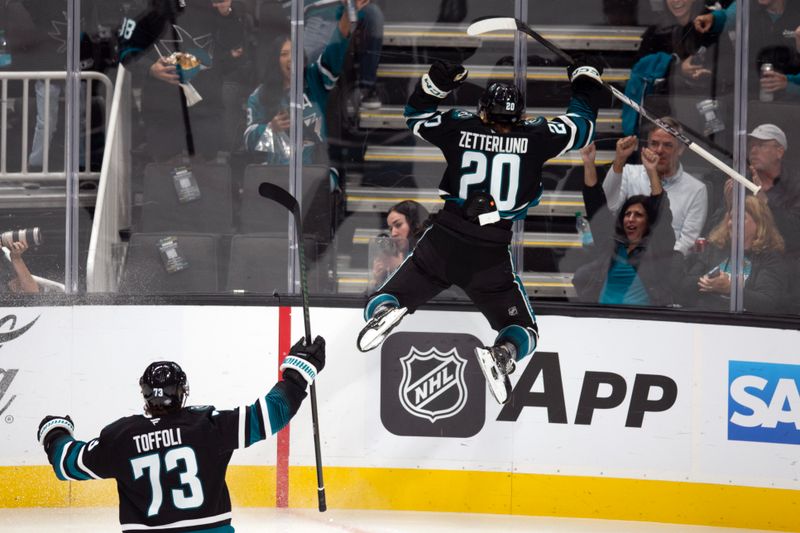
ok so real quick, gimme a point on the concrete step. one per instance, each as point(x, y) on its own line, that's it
point(378, 200)
point(537, 284)
point(530, 239)
point(618, 38)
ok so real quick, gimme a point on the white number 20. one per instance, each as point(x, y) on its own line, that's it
point(500, 165)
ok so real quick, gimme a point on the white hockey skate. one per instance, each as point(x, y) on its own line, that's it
point(379, 327)
point(497, 364)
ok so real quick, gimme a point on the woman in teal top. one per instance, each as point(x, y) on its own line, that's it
point(268, 107)
point(632, 260)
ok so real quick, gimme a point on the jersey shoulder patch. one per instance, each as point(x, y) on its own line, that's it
point(532, 123)
point(461, 114)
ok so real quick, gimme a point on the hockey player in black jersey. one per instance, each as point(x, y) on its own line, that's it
point(494, 163)
point(170, 463)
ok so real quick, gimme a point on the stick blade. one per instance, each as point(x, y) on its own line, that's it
point(489, 24)
point(278, 194)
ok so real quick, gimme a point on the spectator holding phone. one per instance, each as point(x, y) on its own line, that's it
point(708, 280)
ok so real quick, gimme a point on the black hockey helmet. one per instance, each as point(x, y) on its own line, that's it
point(501, 102)
point(164, 387)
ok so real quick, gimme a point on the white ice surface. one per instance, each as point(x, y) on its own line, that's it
point(269, 520)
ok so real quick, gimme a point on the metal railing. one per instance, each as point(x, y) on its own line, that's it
point(45, 174)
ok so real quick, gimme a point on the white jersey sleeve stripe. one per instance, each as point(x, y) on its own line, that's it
point(242, 419)
point(83, 466)
point(573, 129)
point(62, 461)
point(262, 401)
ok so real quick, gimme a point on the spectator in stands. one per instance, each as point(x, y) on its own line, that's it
point(14, 274)
point(633, 262)
point(769, 21)
point(780, 186)
point(406, 221)
point(708, 280)
point(207, 31)
point(268, 107)
point(321, 18)
point(672, 50)
point(688, 195)
point(38, 35)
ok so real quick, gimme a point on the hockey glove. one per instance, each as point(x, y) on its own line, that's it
point(588, 66)
point(52, 427)
point(443, 78)
point(304, 362)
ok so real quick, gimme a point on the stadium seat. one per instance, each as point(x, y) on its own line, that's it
point(261, 215)
point(211, 213)
point(145, 273)
point(260, 263)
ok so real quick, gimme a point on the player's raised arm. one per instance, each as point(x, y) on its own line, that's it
point(432, 88)
point(66, 454)
point(587, 95)
point(270, 413)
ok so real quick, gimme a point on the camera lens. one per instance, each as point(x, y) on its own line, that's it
point(27, 236)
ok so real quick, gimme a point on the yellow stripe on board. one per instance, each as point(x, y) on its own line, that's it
point(458, 491)
point(37, 486)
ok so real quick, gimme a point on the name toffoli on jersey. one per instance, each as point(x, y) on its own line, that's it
point(493, 143)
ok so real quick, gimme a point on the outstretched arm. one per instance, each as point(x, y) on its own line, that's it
point(68, 456)
point(442, 78)
point(270, 413)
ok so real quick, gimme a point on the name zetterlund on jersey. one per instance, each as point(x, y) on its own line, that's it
point(493, 143)
point(157, 439)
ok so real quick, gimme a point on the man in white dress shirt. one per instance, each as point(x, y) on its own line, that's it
point(688, 198)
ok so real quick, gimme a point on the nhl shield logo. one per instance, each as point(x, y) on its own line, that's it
point(433, 385)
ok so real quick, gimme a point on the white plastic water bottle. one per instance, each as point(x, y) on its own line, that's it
point(584, 231)
point(351, 11)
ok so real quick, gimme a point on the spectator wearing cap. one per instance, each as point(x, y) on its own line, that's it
point(779, 187)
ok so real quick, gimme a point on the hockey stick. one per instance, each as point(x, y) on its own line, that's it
point(277, 194)
point(490, 24)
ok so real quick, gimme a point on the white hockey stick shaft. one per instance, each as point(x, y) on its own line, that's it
point(509, 23)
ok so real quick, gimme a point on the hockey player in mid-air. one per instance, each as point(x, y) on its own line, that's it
point(170, 464)
point(494, 163)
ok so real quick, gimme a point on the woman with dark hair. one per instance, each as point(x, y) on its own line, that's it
point(406, 221)
point(633, 262)
point(766, 280)
point(268, 107)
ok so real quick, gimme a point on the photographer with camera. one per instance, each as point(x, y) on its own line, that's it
point(406, 221)
point(14, 274)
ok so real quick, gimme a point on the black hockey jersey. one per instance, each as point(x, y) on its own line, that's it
point(170, 471)
point(507, 166)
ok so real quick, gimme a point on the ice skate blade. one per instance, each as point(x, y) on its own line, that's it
point(499, 384)
point(377, 329)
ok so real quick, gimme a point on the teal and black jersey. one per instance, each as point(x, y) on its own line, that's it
point(170, 471)
point(320, 78)
point(506, 165)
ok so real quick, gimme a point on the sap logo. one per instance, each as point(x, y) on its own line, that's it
point(546, 365)
point(6, 378)
point(763, 402)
